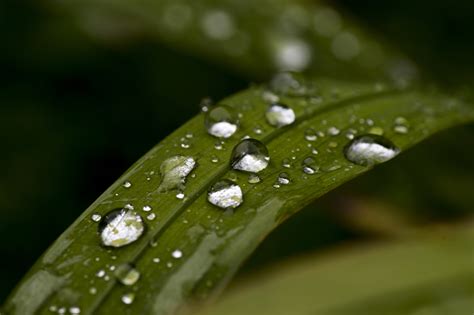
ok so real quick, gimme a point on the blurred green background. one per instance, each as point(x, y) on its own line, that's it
point(76, 112)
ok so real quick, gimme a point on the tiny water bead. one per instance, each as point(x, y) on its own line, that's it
point(120, 227)
point(225, 194)
point(283, 179)
point(127, 184)
point(128, 298)
point(96, 217)
point(280, 115)
point(253, 179)
point(401, 125)
point(127, 274)
point(250, 155)
point(177, 254)
point(333, 131)
point(368, 150)
point(174, 171)
point(310, 135)
point(221, 121)
point(309, 166)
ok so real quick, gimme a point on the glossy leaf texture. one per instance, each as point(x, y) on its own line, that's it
point(430, 274)
point(189, 248)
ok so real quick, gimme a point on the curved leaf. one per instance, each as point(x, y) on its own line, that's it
point(78, 272)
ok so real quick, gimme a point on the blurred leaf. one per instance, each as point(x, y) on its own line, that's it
point(213, 243)
point(255, 38)
point(433, 274)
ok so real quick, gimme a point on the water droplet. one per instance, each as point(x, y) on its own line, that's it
point(185, 143)
point(205, 104)
point(146, 208)
point(221, 121)
point(258, 130)
point(180, 195)
point(156, 260)
point(290, 84)
point(401, 125)
point(253, 179)
point(250, 155)
point(100, 273)
point(96, 217)
point(225, 194)
point(174, 171)
point(128, 298)
point(286, 163)
point(368, 150)
point(280, 115)
point(315, 151)
point(127, 274)
point(120, 227)
point(309, 166)
point(310, 134)
point(92, 290)
point(350, 134)
point(219, 145)
point(151, 216)
point(333, 131)
point(270, 97)
point(127, 184)
point(214, 159)
point(177, 254)
point(283, 179)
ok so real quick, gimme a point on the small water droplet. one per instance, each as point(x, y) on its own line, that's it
point(180, 195)
point(314, 151)
point(309, 166)
point(250, 155)
point(290, 84)
point(310, 134)
point(146, 208)
point(96, 217)
point(333, 131)
point(156, 260)
point(219, 145)
point(401, 125)
point(127, 184)
point(280, 115)
point(253, 179)
point(350, 134)
point(270, 97)
point(128, 298)
point(120, 227)
point(225, 194)
point(92, 290)
point(185, 143)
point(100, 273)
point(368, 150)
point(151, 216)
point(174, 171)
point(214, 159)
point(286, 163)
point(258, 130)
point(221, 121)
point(205, 104)
point(177, 254)
point(127, 274)
point(74, 310)
point(283, 179)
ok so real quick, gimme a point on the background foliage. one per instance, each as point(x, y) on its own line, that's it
point(77, 111)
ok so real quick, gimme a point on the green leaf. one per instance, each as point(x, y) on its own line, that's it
point(78, 272)
point(432, 274)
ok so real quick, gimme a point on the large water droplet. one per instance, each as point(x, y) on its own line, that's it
point(280, 115)
point(221, 121)
point(250, 155)
point(120, 227)
point(225, 194)
point(127, 274)
point(368, 150)
point(174, 171)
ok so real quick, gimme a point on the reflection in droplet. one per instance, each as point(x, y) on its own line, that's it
point(225, 194)
point(120, 227)
point(174, 171)
point(127, 274)
point(280, 115)
point(250, 155)
point(368, 150)
point(128, 298)
point(221, 121)
point(310, 166)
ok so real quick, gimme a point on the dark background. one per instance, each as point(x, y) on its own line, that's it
point(76, 113)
